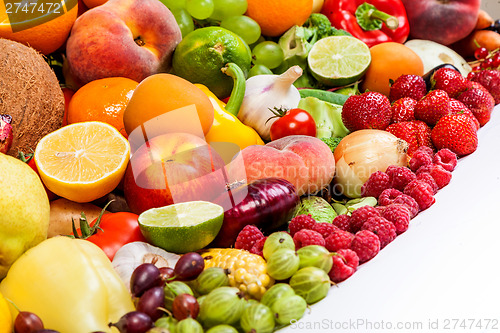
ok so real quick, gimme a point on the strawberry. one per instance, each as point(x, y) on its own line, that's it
point(479, 101)
point(368, 110)
point(457, 132)
point(457, 107)
point(432, 107)
point(416, 133)
point(402, 109)
point(490, 79)
point(449, 80)
point(408, 85)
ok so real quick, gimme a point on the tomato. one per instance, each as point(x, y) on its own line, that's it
point(293, 122)
point(111, 231)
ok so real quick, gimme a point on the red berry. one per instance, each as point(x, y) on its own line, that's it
point(457, 133)
point(479, 101)
point(408, 85)
point(495, 63)
point(440, 175)
point(387, 196)
point(481, 53)
point(300, 222)
point(399, 176)
point(415, 132)
point(247, 237)
point(342, 222)
point(258, 247)
point(419, 159)
point(422, 193)
point(487, 63)
point(325, 228)
point(345, 263)
point(402, 109)
point(385, 230)
point(446, 158)
point(409, 202)
point(490, 79)
point(307, 237)
point(399, 215)
point(376, 183)
point(366, 245)
point(338, 240)
point(368, 110)
point(426, 177)
point(450, 80)
point(457, 107)
point(360, 216)
point(432, 107)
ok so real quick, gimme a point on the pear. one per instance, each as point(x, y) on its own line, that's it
point(24, 210)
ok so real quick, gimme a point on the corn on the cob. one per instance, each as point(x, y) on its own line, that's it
point(247, 271)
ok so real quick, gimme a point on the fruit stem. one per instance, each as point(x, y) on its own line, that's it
point(370, 18)
point(238, 92)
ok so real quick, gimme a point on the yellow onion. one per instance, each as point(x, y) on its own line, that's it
point(362, 153)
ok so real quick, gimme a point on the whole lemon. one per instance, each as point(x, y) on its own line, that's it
point(24, 210)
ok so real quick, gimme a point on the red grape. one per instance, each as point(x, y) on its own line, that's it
point(145, 276)
point(133, 322)
point(481, 53)
point(150, 301)
point(185, 306)
point(27, 322)
point(189, 266)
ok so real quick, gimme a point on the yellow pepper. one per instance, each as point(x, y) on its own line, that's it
point(70, 284)
point(226, 126)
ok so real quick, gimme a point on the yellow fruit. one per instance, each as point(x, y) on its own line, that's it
point(25, 208)
point(5, 317)
point(82, 161)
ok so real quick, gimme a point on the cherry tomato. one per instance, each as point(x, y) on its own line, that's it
point(293, 122)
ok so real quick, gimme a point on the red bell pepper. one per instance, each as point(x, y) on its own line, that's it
point(372, 21)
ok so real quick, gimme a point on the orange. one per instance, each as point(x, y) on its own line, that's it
point(46, 37)
point(277, 16)
point(102, 100)
point(389, 61)
point(94, 3)
point(166, 103)
point(84, 161)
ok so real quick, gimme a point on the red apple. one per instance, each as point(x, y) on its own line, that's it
point(442, 21)
point(172, 168)
point(127, 38)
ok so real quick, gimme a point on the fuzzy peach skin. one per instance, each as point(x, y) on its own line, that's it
point(127, 38)
point(305, 161)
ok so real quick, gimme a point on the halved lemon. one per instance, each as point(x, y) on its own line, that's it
point(82, 161)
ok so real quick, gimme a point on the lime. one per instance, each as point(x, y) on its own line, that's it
point(202, 54)
point(182, 227)
point(339, 60)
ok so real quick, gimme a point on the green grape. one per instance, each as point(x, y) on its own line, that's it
point(277, 291)
point(260, 40)
point(243, 26)
point(289, 308)
point(312, 283)
point(268, 53)
point(276, 241)
point(259, 70)
point(210, 279)
point(184, 21)
point(167, 322)
point(257, 318)
point(282, 264)
point(227, 8)
point(315, 255)
point(223, 305)
point(173, 289)
point(200, 9)
point(188, 325)
point(174, 4)
point(222, 329)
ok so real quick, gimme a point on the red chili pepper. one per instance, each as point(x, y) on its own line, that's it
point(372, 21)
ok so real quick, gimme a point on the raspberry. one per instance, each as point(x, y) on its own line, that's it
point(421, 192)
point(345, 263)
point(419, 159)
point(446, 158)
point(342, 222)
point(426, 177)
point(440, 175)
point(377, 182)
point(360, 216)
point(399, 176)
point(338, 240)
point(247, 237)
point(366, 245)
point(300, 222)
point(388, 196)
point(426, 150)
point(258, 246)
point(325, 228)
point(307, 237)
point(409, 202)
point(399, 215)
point(385, 230)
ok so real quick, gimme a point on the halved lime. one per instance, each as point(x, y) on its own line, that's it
point(339, 60)
point(182, 227)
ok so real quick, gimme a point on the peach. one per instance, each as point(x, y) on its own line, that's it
point(126, 38)
point(305, 161)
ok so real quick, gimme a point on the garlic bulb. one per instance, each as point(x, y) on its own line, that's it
point(264, 92)
point(131, 255)
point(362, 153)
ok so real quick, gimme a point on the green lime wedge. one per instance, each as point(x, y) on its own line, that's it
point(339, 60)
point(182, 227)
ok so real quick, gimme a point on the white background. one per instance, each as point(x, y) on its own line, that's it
point(445, 268)
point(492, 7)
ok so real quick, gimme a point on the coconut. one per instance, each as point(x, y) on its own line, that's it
point(30, 94)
